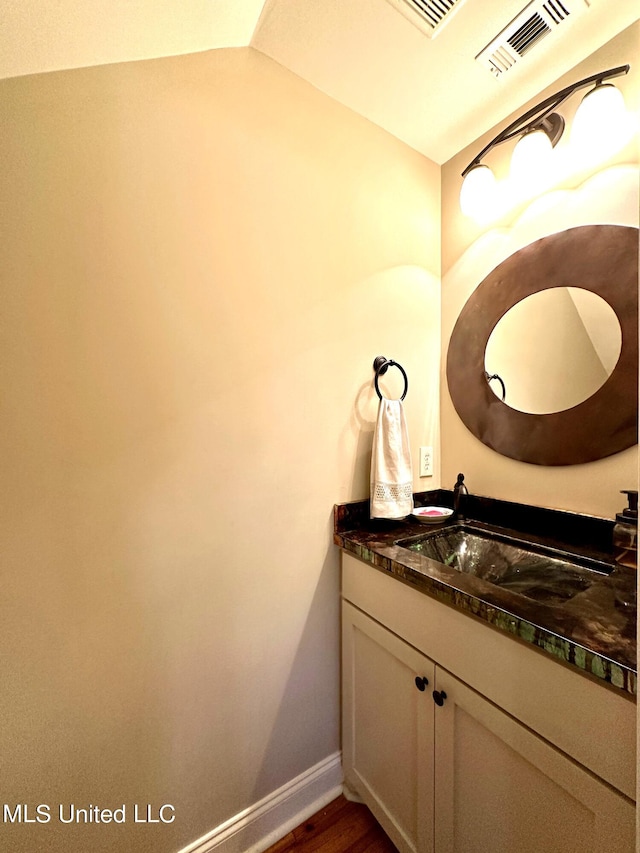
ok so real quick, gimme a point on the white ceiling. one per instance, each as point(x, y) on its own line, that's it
point(428, 92)
point(48, 35)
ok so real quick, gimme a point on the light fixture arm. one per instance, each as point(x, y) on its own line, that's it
point(534, 117)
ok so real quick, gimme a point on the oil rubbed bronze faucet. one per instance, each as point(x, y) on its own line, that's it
point(458, 490)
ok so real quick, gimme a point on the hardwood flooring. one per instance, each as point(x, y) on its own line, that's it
point(340, 827)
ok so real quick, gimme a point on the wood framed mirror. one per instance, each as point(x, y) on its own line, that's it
point(602, 259)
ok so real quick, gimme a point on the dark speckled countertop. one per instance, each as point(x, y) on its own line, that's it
point(595, 631)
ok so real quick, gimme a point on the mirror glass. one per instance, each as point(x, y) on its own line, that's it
point(553, 350)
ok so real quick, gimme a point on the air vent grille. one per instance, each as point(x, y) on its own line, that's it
point(501, 60)
point(528, 34)
point(537, 20)
point(556, 11)
point(433, 10)
point(428, 15)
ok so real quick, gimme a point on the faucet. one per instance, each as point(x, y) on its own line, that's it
point(458, 490)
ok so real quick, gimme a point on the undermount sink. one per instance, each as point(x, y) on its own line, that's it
point(537, 575)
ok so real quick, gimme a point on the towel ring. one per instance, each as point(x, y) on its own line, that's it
point(493, 376)
point(381, 365)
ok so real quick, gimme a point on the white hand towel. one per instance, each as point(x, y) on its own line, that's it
point(391, 474)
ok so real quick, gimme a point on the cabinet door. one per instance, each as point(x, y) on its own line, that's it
point(387, 729)
point(501, 788)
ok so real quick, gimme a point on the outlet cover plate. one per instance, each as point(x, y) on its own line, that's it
point(426, 461)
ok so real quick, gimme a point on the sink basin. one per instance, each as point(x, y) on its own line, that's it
point(532, 573)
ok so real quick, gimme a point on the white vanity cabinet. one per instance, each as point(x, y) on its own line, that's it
point(388, 729)
point(469, 775)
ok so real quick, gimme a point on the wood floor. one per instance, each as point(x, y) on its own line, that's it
point(340, 827)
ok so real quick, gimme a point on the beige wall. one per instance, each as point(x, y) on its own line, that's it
point(607, 193)
point(201, 258)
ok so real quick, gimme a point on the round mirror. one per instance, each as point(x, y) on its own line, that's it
point(601, 259)
point(553, 350)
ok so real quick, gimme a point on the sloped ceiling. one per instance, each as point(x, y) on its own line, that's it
point(48, 35)
point(429, 92)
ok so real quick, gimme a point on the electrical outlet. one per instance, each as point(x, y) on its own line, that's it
point(426, 461)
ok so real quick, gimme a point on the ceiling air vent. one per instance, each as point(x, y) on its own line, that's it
point(536, 21)
point(528, 34)
point(430, 16)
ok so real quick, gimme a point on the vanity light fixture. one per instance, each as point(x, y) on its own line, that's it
point(538, 131)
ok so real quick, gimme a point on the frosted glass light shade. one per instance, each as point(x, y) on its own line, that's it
point(478, 193)
point(530, 159)
point(600, 126)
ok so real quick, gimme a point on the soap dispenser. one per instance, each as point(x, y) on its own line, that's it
point(625, 532)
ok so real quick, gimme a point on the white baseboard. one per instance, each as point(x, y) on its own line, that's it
point(262, 824)
point(351, 795)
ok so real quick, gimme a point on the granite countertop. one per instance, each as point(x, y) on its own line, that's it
point(595, 631)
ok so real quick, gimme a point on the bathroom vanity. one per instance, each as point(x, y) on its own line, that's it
point(476, 718)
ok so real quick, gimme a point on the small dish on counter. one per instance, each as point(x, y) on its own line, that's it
point(432, 514)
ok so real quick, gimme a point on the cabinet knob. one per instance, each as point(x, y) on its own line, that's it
point(421, 683)
point(439, 696)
